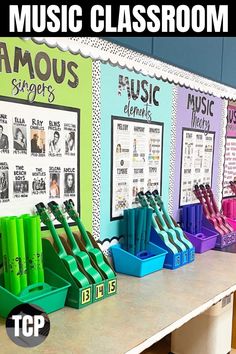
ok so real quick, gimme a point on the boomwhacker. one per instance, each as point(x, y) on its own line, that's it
point(81, 256)
point(69, 261)
point(94, 252)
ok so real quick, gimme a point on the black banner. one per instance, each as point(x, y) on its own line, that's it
point(124, 19)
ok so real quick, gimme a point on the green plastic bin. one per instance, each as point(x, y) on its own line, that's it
point(50, 296)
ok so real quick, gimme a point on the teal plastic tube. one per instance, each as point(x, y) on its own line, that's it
point(4, 255)
point(13, 256)
point(139, 222)
point(21, 252)
point(126, 221)
point(31, 249)
point(148, 226)
point(39, 250)
point(131, 231)
point(143, 237)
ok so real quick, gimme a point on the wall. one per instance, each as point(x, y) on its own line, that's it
point(114, 102)
point(211, 57)
point(23, 83)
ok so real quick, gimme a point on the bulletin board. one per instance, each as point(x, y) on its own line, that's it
point(198, 144)
point(46, 116)
point(142, 105)
point(230, 150)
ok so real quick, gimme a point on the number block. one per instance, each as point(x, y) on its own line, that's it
point(111, 286)
point(98, 291)
point(85, 296)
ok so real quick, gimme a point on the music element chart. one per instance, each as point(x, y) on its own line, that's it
point(136, 161)
point(197, 161)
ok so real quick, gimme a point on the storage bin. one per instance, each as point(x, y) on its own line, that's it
point(204, 241)
point(221, 241)
point(208, 333)
point(128, 263)
point(50, 296)
point(172, 260)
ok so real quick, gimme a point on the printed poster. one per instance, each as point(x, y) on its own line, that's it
point(197, 163)
point(230, 151)
point(38, 155)
point(197, 145)
point(137, 161)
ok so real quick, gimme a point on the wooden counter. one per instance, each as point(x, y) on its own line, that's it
point(145, 310)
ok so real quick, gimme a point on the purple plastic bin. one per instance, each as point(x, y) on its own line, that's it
point(222, 241)
point(204, 241)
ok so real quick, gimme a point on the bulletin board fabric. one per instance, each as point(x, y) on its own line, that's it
point(199, 145)
point(116, 101)
point(49, 83)
point(106, 51)
point(230, 150)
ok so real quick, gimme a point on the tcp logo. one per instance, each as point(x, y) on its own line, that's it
point(27, 325)
point(24, 323)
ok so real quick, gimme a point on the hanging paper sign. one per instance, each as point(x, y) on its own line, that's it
point(198, 132)
point(229, 173)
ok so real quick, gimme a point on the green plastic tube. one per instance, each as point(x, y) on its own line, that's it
point(21, 252)
point(4, 255)
point(39, 250)
point(31, 249)
point(1, 259)
point(13, 256)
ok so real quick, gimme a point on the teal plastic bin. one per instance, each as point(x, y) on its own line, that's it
point(127, 263)
point(50, 296)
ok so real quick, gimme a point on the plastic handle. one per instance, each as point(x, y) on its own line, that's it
point(40, 286)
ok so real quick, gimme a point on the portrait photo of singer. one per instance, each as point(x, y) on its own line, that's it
point(37, 141)
point(70, 143)
point(69, 183)
point(4, 185)
point(19, 138)
point(4, 144)
point(54, 144)
point(54, 188)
